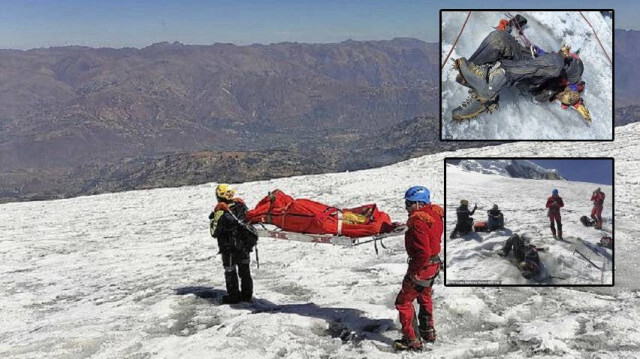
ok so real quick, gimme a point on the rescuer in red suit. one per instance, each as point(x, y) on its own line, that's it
point(554, 203)
point(422, 242)
point(598, 201)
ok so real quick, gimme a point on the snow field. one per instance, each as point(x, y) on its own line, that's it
point(136, 275)
point(522, 202)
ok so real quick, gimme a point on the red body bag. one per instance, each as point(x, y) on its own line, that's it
point(307, 216)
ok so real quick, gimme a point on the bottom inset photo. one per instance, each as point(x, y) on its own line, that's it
point(529, 221)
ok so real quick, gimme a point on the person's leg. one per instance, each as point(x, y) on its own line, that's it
point(425, 315)
point(454, 234)
point(552, 225)
point(599, 218)
point(498, 45)
point(404, 305)
point(559, 221)
point(536, 70)
point(518, 248)
point(491, 222)
point(508, 245)
point(244, 270)
point(230, 277)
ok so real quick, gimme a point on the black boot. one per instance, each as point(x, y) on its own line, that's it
point(474, 106)
point(407, 344)
point(231, 299)
point(428, 334)
point(486, 80)
point(244, 271)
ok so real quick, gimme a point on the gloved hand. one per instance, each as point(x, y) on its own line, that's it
point(475, 205)
point(222, 207)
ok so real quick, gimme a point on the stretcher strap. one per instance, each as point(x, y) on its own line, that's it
point(340, 222)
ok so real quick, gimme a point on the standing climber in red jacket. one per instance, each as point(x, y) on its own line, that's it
point(598, 201)
point(554, 203)
point(422, 242)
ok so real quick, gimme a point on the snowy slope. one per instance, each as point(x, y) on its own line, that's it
point(518, 117)
point(522, 201)
point(135, 275)
point(510, 168)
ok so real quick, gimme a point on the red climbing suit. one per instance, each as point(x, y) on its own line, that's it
point(596, 213)
point(422, 242)
point(554, 203)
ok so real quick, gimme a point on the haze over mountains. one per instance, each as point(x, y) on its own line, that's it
point(77, 120)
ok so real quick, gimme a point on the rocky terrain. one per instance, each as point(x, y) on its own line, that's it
point(77, 120)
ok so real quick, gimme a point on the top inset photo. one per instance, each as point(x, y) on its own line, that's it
point(526, 75)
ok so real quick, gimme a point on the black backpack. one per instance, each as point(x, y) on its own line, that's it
point(587, 222)
point(248, 234)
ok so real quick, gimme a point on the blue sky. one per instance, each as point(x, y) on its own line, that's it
point(26, 24)
point(583, 170)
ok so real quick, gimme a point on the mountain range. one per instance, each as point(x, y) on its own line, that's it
point(511, 168)
point(77, 120)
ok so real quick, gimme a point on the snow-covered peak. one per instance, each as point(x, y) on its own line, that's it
point(511, 168)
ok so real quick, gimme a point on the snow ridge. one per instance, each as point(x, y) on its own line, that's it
point(511, 168)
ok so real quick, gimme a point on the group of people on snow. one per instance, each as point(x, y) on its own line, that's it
point(422, 243)
point(527, 254)
point(464, 225)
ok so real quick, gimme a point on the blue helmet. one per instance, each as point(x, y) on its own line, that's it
point(418, 194)
point(554, 192)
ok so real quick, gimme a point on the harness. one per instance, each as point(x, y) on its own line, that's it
point(421, 284)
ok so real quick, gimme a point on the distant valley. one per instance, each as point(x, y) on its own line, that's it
point(77, 120)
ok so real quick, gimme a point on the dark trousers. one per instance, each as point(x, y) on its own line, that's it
point(517, 244)
point(555, 217)
point(495, 222)
point(497, 46)
point(462, 228)
point(516, 59)
point(238, 264)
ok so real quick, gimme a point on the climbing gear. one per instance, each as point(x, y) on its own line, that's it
point(474, 106)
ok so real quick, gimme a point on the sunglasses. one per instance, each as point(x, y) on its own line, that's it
point(408, 203)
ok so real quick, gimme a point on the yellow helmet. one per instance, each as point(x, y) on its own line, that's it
point(225, 191)
point(464, 202)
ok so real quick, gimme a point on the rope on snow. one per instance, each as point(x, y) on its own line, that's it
point(597, 38)
point(455, 42)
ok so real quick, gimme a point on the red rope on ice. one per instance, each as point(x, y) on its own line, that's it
point(455, 42)
point(594, 32)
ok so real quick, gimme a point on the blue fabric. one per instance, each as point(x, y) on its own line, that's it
point(495, 223)
point(539, 51)
point(573, 87)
